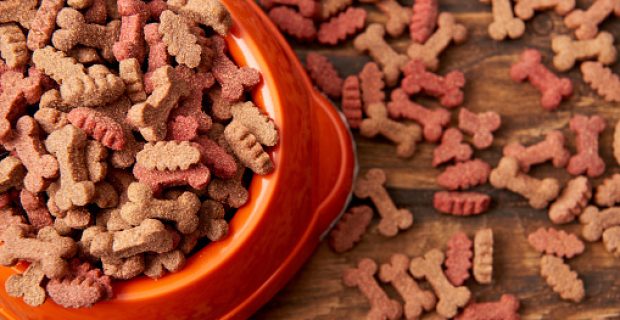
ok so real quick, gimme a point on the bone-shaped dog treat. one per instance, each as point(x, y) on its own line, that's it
point(481, 126)
point(587, 159)
point(50, 119)
point(123, 269)
point(96, 155)
point(611, 240)
point(404, 136)
point(130, 72)
point(142, 205)
point(392, 219)
point(372, 41)
point(191, 107)
point(331, 7)
point(102, 128)
point(461, 203)
point(553, 88)
point(458, 258)
point(9, 217)
point(452, 147)
point(432, 121)
point(43, 24)
point(158, 54)
point(16, 92)
point(293, 23)
point(216, 158)
point(22, 12)
point(38, 214)
point(448, 89)
point(552, 148)
point(13, 45)
point(450, 298)
point(602, 80)
point(247, 148)
point(559, 243)
point(130, 44)
point(179, 40)
point(506, 309)
point(416, 299)
point(524, 9)
point(561, 278)
point(447, 32)
point(150, 236)
point(231, 191)
point(82, 288)
point(56, 64)
point(210, 13)
point(197, 176)
point(234, 80)
point(572, 201)
point(586, 22)
point(97, 13)
point(324, 74)
point(595, 221)
point(483, 256)
point(11, 173)
point(339, 28)
point(74, 219)
point(308, 8)
point(504, 22)
point(362, 277)
point(398, 17)
point(464, 175)
point(352, 101)
point(157, 265)
point(350, 228)
point(211, 225)
point(567, 51)
point(371, 84)
point(538, 192)
point(27, 285)
point(608, 192)
point(220, 107)
point(423, 20)
point(68, 145)
point(168, 155)
point(257, 123)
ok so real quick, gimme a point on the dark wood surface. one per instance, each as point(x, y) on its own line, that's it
point(317, 292)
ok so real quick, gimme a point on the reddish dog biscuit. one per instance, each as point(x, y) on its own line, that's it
point(602, 80)
point(504, 22)
point(561, 278)
point(293, 23)
point(101, 128)
point(608, 192)
point(464, 175)
point(552, 148)
point(43, 24)
point(83, 287)
point(35, 208)
point(448, 89)
point(458, 258)
point(423, 20)
point(595, 222)
point(16, 92)
point(392, 219)
point(461, 203)
point(524, 9)
point(559, 243)
point(553, 88)
point(190, 108)
point(447, 32)
point(344, 25)
point(483, 256)
point(586, 22)
point(27, 285)
point(350, 228)
point(398, 17)
point(404, 136)
point(587, 159)
point(432, 121)
point(216, 158)
point(506, 309)
point(158, 54)
point(452, 147)
point(322, 71)
point(380, 51)
point(481, 126)
point(130, 42)
point(352, 101)
point(233, 79)
point(11, 173)
point(371, 84)
point(308, 8)
point(568, 51)
point(572, 201)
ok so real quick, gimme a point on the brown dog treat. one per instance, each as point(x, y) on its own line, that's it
point(231, 191)
point(362, 277)
point(416, 300)
point(404, 136)
point(449, 30)
point(85, 55)
point(211, 225)
point(12, 173)
point(293, 23)
point(56, 64)
point(481, 126)
point(506, 309)
point(352, 101)
point(168, 155)
point(233, 79)
point(50, 119)
point(552, 148)
point(423, 20)
point(572, 201)
point(111, 220)
point(325, 76)
point(197, 176)
point(452, 147)
point(464, 175)
point(27, 285)
point(587, 159)
point(524, 9)
point(158, 265)
point(461, 203)
point(84, 287)
point(51, 99)
point(483, 256)
point(308, 8)
point(118, 111)
point(220, 107)
point(43, 24)
point(102, 128)
point(458, 258)
point(210, 13)
point(20, 11)
point(450, 298)
point(561, 278)
point(342, 26)
point(74, 219)
point(586, 22)
point(179, 40)
point(380, 51)
point(96, 155)
point(123, 269)
point(392, 219)
point(611, 240)
point(568, 51)
point(602, 80)
point(9, 217)
point(248, 149)
point(350, 228)
point(595, 222)
point(608, 192)
point(79, 4)
point(538, 192)
point(504, 22)
point(158, 54)
point(259, 124)
point(130, 72)
point(35, 208)
point(13, 45)
point(331, 7)
point(559, 243)
point(97, 13)
point(448, 89)
point(398, 17)
point(372, 85)
point(433, 121)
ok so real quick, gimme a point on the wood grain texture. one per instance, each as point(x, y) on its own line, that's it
point(317, 292)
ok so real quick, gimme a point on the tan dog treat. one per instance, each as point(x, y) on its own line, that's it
point(248, 149)
point(56, 64)
point(123, 269)
point(79, 4)
point(179, 40)
point(231, 191)
point(602, 80)
point(392, 219)
point(350, 228)
point(85, 55)
point(257, 123)
point(504, 22)
point(404, 136)
point(168, 155)
point(210, 13)
point(572, 201)
point(362, 277)
point(118, 111)
point(43, 24)
point(50, 119)
point(211, 225)
point(9, 217)
point(20, 11)
point(13, 45)
point(398, 17)
point(558, 243)
point(372, 41)
point(142, 205)
point(130, 72)
point(587, 131)
point(12, 173)
point(331, 7)
point(416, 300)
point(524, 9)
point(586, 22)
point(450, 298)
point(51, 99)
point(611, 240)
point(111, 220)
point(595, 222)
point(47, 248)
point(568, 51)
point(561, 278)
point(27, 285)
point(552, 148)
point(538, 192)
point(447, 32)
point(74, 219)
point(157, 265)
point(150, 236)
point(372, 85)
point(483, 256)
point(608, 192)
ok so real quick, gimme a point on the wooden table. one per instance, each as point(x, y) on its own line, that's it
point(317, 292)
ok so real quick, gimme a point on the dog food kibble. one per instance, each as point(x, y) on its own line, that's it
point(483, 256)
point(586, 22)
point(506, 309)
point(587, 159)
point(448, 89)
point(596, 221)
point(602, 80)
point(372, 40)
point(342, 26)
point(371, 85)
point(608, 192)
point(464, 175)
point(559, 243)
point(504, 24)
point(525, 9)
point(571, 202)
point(432, 121)
point(461, 203)
point(458, 258)
point(481, 126)
point(448, 31)
point(561, 278)
point(552, 148)
point(349, 230)
point(423, 20)
point(568, 51)
point(452, 147)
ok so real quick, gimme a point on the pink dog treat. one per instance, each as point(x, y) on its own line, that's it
point(349, 230)
point(568, 51)
point(448, 89)
point(595, 222)
point(324, 74)
point(362, 277)
point(342, 26)
point(97, 13)
point(221, 163)
point(561, 278)
point(158, 54)
point(506, 309)
point(432, 121)
point(552, 148)
point(404, 136)
point(293, 23)
point(504, 22)
point(608, 192)
point(461, 203)
point(35, 208)
point(197, 176)
point(572, 201)
point(233, 79)
point(352, 101)
point(83, 287)
point(423, 20)
point(586, 22)
point(447, 32)
point(587, 159)
point(602, 80)
point(481, 126)
point(308, 8)
point(458, 258)
point(398, 17)
point(16, 93)
point(452, 147)
point(392, 219)
point(380, 51)
point(559, 243)
point(553, 88)
point(130, 43)
point(524, 9)
point(464, 175)
point(372, 85)
point(102, 128)
point(191, 106)
point(43, 24)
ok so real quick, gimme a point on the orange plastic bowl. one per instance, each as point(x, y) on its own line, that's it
point(284, 220)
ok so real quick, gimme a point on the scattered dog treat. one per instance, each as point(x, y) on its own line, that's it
point(602, 80)
point(371, 84)
point(432, 121)
point(423, 20)
point(398, 17)
point(587, 159)
point(43, 24)
point(322, 71)
point(567, 51)
point(506, 308)
point(293, 23)
point(448, 89)
point(558, 243)
point(349, 230)
point(416, 299)
point(483, 256)
point(553, 88)
point(11, 173)
point(458, 258)
point(552, 148)
point(461, 203)
point(168, 155)
point(504, 22)
point(447, 32)
point(538, 192)
point(27, 285)
point(13, 46)
point(179, 40)
point(331, 7)
point(586, 22)
point(572, 201)
point(352, 101)
point(561, 278)
point(450, 298)
point(342, 26)
point(608, 192)
point(392, 219)
point(452, 147)
point(380, 51)
point(525, 9)
point(481, 126)
point(404, 136)
point(234, 80)
point(595, 221)
point(611, 240)
point(308, 8)
point(102, 128)
point(464, 175)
